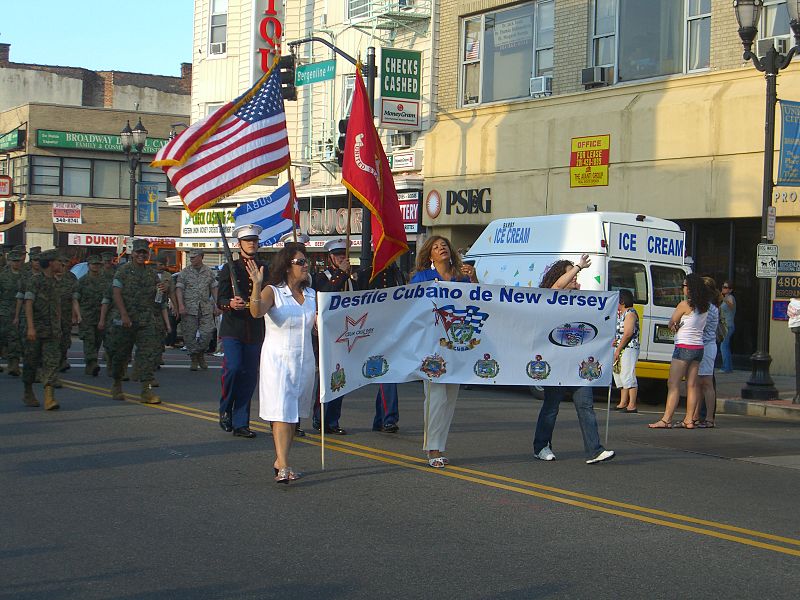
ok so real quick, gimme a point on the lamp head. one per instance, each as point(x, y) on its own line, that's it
point(139, 135)
point(747, 15)
point(126, 137)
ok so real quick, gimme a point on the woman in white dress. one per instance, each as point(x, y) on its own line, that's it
point(286, 375)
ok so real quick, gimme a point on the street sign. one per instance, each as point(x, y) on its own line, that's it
point(787, 286)
point(147, 203)
point(315, 72)
point(789, 266)
point(767, 261)
point(771, 218)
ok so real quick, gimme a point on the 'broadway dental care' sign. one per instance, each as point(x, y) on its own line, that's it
point(465, 333)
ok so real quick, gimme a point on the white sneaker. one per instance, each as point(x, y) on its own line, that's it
point(219, 354)
point(545, 454)
point(604, 455)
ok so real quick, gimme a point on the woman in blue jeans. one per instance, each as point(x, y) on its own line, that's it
point(728, 313)
point(563, 275)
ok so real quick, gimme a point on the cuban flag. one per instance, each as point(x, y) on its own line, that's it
point(268, 213)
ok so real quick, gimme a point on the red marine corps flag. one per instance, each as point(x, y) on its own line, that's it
point(366, 173)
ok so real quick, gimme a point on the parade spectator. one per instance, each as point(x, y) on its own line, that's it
point(688, 322)
point(337, 276)
point(286, 382)
point(727, 314)
point(705, 374)
point(563, 275)
point(436, 261)
point(241, 335)
point(626, 352)
point(793, 312)
point(195, 289)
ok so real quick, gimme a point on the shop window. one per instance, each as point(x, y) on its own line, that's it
point(77, 177)
point(628, 276)
point(667, 285)
point(46, 175)
point(218, 35)
point(500, 43)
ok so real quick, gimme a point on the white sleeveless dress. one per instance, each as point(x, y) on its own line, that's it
point(286, 376)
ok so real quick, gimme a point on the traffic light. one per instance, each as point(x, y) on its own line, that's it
point(340, 142)
point(286, 66)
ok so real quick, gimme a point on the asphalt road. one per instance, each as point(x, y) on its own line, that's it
point(107, 499)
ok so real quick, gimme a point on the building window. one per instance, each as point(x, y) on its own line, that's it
point(604, 33)
point(358, 9)
point(645, 39)
point(499, 43)
point(107, 179)
point(218, 34)
point(77, 177)
point(46, 175)
point(774, 19)
point(698, 34)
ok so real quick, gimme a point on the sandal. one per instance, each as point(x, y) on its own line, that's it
point(705, 424)
point(684, 425)
point(438, 462)
point(660, 424)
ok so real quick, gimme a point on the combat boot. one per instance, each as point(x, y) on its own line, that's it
point(195, 363)
point(201, 360)
point(50, 398)
point(29, 398)
point(95, 369)
point(116, 390)
point(147, 396)
point(58, 383)
point(154, 383)
point(13, 367)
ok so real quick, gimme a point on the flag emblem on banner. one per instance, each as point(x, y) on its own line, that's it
point(268, 213)
point(239, 143)
point(460, 326)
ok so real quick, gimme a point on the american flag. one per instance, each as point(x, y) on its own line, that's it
point(473, 49)
point(239, 143)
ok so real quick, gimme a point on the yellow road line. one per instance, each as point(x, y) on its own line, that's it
point(576, 499)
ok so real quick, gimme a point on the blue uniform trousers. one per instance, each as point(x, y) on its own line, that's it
point(333, 410)
point(239, 379)
point(387, 411)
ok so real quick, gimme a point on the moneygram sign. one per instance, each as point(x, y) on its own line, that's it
point(401, 87)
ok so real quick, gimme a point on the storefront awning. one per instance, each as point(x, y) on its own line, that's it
point(11, 234)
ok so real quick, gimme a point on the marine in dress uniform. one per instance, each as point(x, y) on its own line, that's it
point(241, 335)
point(337, 277)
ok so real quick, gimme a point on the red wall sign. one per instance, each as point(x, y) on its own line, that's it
point(5, 186)
point(270, 29)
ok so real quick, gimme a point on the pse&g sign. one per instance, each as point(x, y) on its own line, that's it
point(469, 201)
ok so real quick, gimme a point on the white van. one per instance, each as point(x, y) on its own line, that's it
point(640, 253)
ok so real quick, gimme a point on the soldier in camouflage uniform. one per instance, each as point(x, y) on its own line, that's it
point(43, 330)
point(9, 331)
point(91, 288)
point(134, 292)
point(196, 286)
point(70, 310)
point(25, 278)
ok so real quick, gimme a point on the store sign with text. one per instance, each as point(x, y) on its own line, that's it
point(6, 212)
point(409, 210)
point(204, 223)
point(266, 36)
point(6, 186)
point(101, 142)
point(401, 88)
point(67, 212)
point(588, 161)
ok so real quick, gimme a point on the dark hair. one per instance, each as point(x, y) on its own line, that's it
point(626, 298)
point(698, 295)
point(554, 272)
point(282, 263)
point(714, 295)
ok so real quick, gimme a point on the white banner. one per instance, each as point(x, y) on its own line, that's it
point(465, 333)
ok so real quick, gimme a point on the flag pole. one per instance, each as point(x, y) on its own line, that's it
point(322, 430)
point(293, 200)
point(608, 412)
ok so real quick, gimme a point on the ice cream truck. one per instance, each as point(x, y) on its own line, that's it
point(643, 254)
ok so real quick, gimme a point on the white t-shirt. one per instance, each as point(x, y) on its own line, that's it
point(794, 313)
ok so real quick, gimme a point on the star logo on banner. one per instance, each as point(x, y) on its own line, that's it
point(354, 330)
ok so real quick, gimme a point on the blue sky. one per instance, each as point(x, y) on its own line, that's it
point(86, 33)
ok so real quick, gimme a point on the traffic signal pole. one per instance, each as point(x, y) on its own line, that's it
point(372, 73)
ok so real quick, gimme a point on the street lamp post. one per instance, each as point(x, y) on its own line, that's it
point(760, 385)
point(133, 141)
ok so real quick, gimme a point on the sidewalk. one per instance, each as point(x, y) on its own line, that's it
point(729, 397)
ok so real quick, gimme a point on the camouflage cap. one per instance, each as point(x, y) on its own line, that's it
point(51, 254)
point(107, 255)
point(140, 245)
point(15, 255)
point(94, 259)
point(19, 248)
point(35, 252)
point(196, 252)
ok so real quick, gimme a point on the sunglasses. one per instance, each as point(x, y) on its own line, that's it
point(300, 262)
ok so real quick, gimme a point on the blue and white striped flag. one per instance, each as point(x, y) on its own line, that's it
point(266, 212)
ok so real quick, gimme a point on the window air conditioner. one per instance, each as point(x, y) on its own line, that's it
point(594, 76)
point(541, 86)
point(405, 4)
point(781, 44)
point(400, 140)
point(216, 48)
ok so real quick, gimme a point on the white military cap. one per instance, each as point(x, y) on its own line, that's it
point(247, 231)
point(302, 238)
point(337, 244)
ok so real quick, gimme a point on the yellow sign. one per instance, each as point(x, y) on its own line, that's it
point(588, 161)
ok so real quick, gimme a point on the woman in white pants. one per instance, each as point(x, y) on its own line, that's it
point(626, 352)
point(436, 261)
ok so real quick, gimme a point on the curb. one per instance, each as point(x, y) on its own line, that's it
point(772, 409)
